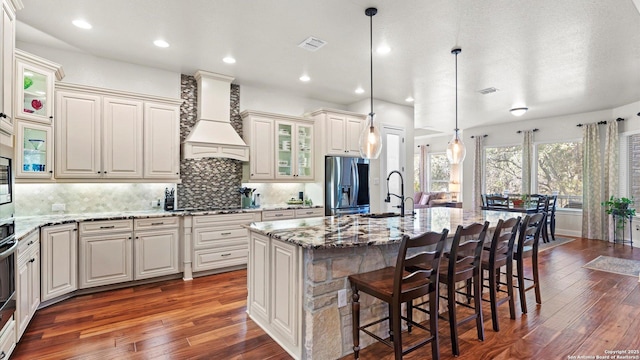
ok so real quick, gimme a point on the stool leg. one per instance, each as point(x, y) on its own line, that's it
point(391, 317)
point(355, 319)
point(453, 321)
point(536, 280)
point(409, 315)
point(433, 323)
point(523, 300)
point(512, 302)
point(492, 298)
point(553, 227)
point(397, 331)
point(477, 299)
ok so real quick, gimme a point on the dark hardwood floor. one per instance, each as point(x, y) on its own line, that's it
point(584, 312)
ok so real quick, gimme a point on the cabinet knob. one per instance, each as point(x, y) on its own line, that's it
point(32, 260)
point(3, 355)
point(177, 173)
point(50, 171)
point(30, 243)
point(105, 172)
point(3, 115)
point(99, 172)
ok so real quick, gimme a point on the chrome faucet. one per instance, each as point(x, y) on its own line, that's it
point(401, 196)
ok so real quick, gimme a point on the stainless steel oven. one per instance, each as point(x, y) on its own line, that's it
point(5, 181)
point(8, 246)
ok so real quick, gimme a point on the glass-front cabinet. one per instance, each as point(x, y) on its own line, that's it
point(294, 144)
point(34, 151)
point(35, 79)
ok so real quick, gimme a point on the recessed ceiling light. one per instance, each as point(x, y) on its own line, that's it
point(519, 111)
point(383, 49)
point(229, 60)
point(409, 99)
point(305, 78)
point(81, 24)
point(161, 43)
point(359, 90)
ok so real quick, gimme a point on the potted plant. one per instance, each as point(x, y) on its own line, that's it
point(620, 207)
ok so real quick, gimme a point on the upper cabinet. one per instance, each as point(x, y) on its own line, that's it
point(34, 151)
point(341, 131)
point(104, 134)
point(7, 44)
point(35, 78)
point(281, 147)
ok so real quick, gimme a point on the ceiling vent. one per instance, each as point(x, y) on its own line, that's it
point(312, 44)
point(488, 90)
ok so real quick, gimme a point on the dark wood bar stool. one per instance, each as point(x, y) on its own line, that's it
point(413, 277)
point(528, 240)
point(496, 255)
point(550, 226)
point(543, 207)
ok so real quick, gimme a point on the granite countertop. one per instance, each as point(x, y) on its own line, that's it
point(26, 225)
point(356, 230)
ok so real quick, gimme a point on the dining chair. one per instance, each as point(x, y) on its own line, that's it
point(460, 264)
point(543, 207)
point(528, 241)
point(413, 277)
point(498, 254)
point(497, 200)
point(550, 226)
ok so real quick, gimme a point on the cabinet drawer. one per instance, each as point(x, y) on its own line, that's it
point(270, 215)
point(8, 339)
point(154, 223)
point(305, 213)
point(225, 219)
point(220, 236)
point(31, 246)
point(103, 227)
point(28, 243)
point(209, 259)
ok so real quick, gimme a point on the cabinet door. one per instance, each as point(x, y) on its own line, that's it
point(34, 282)
point(34, 95)
point(23, 289)
point(105, 259)
point(59, 254)
point(161, 141)
point(258, 279)
point(262, 149)
point(6, 68)
point(353, 128)
point(157, 253)
point(304, 152)
point(34, 151)
point(285, 285)
point(77, 133)
point(285, 150)
point(122, 138)
point(336, 134)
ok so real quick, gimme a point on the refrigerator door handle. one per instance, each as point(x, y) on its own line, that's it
point(356, 182)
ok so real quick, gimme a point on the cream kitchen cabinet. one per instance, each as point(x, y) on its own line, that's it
point(105, 134)
point(259, 134)
point(294, 149)
point(106, 251)
point(28, 281)
point(59, 260)
point(271, 215)
point(157, 247)
point(35, 79)
point(309, 212)
point(220, 241)
point(341, 131)
point(7, 46)
point(34, 151)
point(8, 339)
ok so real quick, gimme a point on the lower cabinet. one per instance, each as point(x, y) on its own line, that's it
point(157, 247)
point(28, 281)
point(59, 255)
point(7, 339)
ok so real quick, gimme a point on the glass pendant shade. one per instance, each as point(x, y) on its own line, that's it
point(456, 150)
point(370, 141)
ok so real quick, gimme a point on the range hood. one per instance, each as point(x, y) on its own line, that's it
point(213, 135)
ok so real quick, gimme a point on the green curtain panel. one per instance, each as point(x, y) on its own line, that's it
point(592, 211)
point(611, 157)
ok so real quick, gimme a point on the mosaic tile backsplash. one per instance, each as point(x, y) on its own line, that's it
point(37, 199)
point(209, 182)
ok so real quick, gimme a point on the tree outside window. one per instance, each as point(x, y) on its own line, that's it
point(560, 172)
point(503, 169)
point(439, 172)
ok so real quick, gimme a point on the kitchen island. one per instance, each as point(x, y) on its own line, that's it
point(297, 268)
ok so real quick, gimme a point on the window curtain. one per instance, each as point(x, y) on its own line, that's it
point(476, 198)
point(611, 158)
point(527, 161)
point(592, 211)
point(423, 168)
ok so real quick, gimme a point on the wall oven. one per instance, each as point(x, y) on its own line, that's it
point(5, 181)
point(8, 246)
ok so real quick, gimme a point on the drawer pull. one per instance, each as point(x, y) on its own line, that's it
point(225, 233)
point(278, 215)
point(3, 355)
point(30, 243)
point(32, 260)
point(227, 254)
point(311, 212)
point(107, 227)
point(157, 223)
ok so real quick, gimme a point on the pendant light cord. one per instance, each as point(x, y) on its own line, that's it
point(371, 63)
point(456, 95)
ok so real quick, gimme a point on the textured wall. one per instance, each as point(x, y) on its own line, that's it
point(207, 182)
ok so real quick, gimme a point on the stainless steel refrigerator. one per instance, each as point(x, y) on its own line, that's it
point(346, 185)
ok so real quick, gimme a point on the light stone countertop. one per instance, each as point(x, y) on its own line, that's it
point(356, 230)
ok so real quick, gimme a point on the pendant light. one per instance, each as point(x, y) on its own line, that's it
point(455, 149)
point(370, 142)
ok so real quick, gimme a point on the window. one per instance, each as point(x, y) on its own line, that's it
point(560, 172)
point(503, 169)
point(633, 171)
point(416, 172)
point(439, 172)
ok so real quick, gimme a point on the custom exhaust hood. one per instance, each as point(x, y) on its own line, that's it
point(213, 135)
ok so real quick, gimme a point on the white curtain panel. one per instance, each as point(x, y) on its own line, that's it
point(423, 168)
point(476, 198)
point(592, 211)
point(527, 161)
point(611, 158)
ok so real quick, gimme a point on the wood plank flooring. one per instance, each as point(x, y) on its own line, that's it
point(584, 312)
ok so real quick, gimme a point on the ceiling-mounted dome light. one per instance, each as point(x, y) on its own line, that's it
point(519, 111)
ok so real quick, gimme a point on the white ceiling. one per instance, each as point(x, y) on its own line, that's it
point(555, 56)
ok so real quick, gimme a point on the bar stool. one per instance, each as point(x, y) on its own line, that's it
point(543, 207)
point(496, 255)
point(528, 240)
point(413, 277)
point(551, 217)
